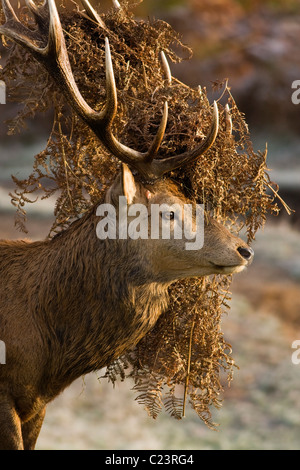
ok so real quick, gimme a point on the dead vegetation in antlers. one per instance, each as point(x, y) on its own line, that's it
point(183, 355)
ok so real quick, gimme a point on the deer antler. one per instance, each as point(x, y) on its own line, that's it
point(54, 58)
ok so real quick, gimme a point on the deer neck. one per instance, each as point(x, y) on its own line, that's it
point(104, 301)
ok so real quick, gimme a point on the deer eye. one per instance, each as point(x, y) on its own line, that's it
point(168, 215)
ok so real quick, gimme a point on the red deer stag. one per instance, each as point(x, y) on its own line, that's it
point(73, 304)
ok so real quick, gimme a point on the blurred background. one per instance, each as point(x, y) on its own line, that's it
point(255, 44)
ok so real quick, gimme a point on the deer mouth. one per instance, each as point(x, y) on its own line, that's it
point(235, 268)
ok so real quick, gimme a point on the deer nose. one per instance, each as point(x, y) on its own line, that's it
point(246, 253)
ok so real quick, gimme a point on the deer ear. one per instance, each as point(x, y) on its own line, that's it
point(128, 184)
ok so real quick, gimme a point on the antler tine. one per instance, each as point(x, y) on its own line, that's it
point(154, 148)
point(116, 4)
point(228, 120)
point(92, 14)
point(152, 152)
point(32, 6)
point(166, 68)
point(171, 163)
point(9, 11)
point(141, 161)
point(40, 14)
point(15, 30)
point(111, 104)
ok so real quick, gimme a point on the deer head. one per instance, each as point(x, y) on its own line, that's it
point(182, 241)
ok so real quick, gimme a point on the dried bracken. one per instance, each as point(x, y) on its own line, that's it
point(183, 355)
